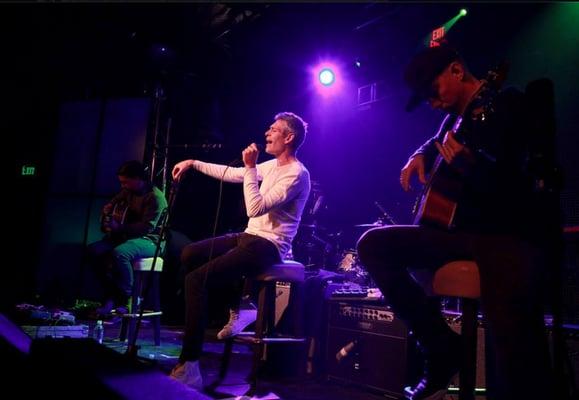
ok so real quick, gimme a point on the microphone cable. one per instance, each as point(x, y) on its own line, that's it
point(219, 200)
point(218, 209)
point(216, 220)
point(217, 214)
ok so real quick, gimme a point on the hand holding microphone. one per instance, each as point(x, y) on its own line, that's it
point(250, 154)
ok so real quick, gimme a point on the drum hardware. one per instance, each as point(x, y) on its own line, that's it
point(353, 269)
point(311, 247)
point(312, 226)
point(385, 216)
point(376, 224)
point(349, 259)
point(384, 219)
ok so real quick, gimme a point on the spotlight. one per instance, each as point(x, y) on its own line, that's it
point(462, 12)
point(326, 77)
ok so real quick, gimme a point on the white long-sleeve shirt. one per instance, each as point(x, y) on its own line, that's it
point(274, 208)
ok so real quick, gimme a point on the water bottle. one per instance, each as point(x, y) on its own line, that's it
point(99, 331)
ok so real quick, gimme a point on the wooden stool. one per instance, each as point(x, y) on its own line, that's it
point(461, 279)
point(141, 270)
point(290, 272)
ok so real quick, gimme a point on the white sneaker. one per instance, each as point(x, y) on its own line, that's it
point(238, 321)
point(188, 373)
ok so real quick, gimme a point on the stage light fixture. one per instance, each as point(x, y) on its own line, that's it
point(327, 77)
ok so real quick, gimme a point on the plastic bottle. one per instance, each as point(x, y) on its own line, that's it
point(99, 331)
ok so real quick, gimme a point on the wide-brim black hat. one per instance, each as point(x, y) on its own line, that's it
point(423, 69)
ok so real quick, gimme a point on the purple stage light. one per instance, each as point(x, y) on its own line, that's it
point(326, 77)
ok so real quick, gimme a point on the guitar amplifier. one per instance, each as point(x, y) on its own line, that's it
point(455, 323)
point(367, 345)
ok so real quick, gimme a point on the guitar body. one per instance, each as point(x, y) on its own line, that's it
point(117, 214)
point(437, 204)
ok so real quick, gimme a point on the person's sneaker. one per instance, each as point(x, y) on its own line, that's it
point(188, 373)
point(238, 321)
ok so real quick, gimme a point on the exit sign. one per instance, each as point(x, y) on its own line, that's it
point(436, 36)
point(28, 170)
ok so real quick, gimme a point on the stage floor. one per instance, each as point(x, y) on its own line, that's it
point(235, 384)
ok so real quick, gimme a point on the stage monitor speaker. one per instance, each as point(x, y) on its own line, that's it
point(79, 368)
point(282, 298)
point(367, 345)
point(68, 366)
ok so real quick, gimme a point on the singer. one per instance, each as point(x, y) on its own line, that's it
point(274, 210)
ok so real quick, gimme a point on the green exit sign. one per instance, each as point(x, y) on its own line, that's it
point(28, 170)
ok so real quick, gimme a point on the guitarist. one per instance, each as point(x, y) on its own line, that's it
point(130, 223)
point(497, 223)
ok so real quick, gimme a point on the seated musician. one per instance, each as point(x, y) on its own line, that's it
point(497, 222)
point(130, 222)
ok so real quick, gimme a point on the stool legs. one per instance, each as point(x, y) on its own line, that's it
point(129, 325)
point(156, 304)
point(225, 360)
point(297, 311)
point(264, 330)
point(264, 326)
point(135, 303)
point(467, 372)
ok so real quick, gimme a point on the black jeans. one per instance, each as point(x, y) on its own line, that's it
point(512, 274)
point(234, 257)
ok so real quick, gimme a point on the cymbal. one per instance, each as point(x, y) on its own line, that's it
point(312, 226)
point(374, 224)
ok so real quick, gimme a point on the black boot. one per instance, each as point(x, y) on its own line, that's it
point(441, 365)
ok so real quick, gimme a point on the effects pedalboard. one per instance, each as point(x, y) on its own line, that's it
point(361, 292)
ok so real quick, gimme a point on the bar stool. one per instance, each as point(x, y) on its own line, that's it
point(461, 279)
point(141, 270)
point(265, 334)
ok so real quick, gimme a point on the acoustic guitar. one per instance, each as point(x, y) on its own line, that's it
point(117, 213)
point(437, 203)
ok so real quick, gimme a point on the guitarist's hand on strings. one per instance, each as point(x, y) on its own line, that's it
point(108, 208)
point(414, 165)
point(450, 147)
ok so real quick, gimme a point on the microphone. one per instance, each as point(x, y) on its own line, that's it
point(346, 350)
point(239, 160)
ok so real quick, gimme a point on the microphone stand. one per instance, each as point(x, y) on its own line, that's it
point(385, 215)
point(143, 290)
